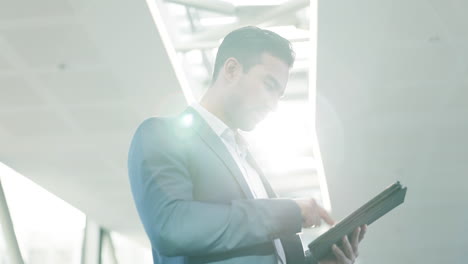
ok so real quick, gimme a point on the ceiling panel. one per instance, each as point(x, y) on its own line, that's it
point(104, 118)
point(19, 9)
point(68, 144)
point(83, 87)
point(4, 64)
point(452, 14)
point(36, 122)
point(53, 47)
point(17, 93)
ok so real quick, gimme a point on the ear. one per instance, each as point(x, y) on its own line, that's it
point(232, 69)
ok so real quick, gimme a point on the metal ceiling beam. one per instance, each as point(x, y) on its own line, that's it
point(12, 248)
point(92, 243)
point(209, 5)
point(261, 18)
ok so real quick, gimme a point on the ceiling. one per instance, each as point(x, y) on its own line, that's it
point(77, 77)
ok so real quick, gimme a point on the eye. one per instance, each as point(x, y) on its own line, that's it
point(273, 89)
point(270, 86)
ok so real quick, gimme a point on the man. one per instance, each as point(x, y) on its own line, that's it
point(198, 191)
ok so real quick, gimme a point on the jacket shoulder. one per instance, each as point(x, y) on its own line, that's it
point(179, 128)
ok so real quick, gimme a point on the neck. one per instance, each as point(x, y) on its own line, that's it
point(215, 104)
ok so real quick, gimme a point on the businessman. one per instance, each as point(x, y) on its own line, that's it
point(199, 193)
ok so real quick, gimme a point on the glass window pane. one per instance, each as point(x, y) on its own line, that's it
point(48, 229)
point(130, 252)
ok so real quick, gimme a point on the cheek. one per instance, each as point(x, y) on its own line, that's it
point(257, 91)
point(251, 95)
point(245, 91)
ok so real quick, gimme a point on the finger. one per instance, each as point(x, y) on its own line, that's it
point(340, 256)
point(347, 249)
point(315, 213)
point(326, 217)
point(355, 240)
point(363, 232)
point(308, 221)
point(312, 220)
point(317, 220)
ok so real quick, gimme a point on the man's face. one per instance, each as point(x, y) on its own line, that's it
point(255, 93)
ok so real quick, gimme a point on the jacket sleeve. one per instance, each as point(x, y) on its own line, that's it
point(178, 225)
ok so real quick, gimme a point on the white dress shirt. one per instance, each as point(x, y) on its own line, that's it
point(238, 149)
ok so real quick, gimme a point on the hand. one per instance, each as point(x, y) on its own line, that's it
point(349, 251)
point(312, 213)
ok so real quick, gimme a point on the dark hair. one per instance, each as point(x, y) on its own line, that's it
point(247, 44)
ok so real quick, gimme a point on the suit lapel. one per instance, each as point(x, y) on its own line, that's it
point(218, 147)
point(271, 193)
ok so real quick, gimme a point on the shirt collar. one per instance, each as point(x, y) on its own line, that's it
point(216, 124)
point(219, 127)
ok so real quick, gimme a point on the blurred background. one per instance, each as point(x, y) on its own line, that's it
point(377, 94)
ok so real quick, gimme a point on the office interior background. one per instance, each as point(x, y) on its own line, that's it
point(378, 94)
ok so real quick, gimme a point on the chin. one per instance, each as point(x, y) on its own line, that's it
point(248, 126)
point(247, 129)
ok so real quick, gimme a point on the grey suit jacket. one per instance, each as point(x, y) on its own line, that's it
point(194, 202)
